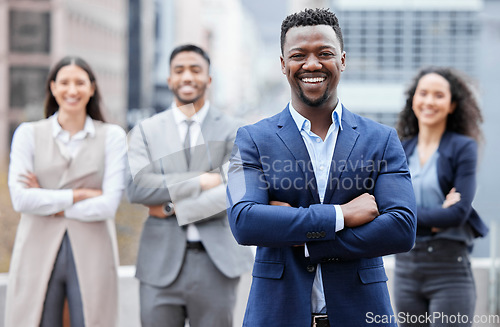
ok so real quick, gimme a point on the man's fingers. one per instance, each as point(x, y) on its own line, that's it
point(279, 203)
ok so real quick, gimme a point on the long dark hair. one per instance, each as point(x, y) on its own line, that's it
point(466, 117)
point(93, 106)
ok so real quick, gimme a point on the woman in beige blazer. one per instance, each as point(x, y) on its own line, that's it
point(66, 177)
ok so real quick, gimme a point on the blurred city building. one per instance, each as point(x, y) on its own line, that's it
point(387, 41)
point(221, 27)
point(141, 51)
point(34, 34)
point(488, 71)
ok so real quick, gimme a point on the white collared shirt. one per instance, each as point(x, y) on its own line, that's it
point(45, 202)
point(180, 118)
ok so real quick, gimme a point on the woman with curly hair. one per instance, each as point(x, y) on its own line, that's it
point(439, 128)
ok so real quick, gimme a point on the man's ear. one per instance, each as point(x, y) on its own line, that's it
point(342, 60)
point(282, 65)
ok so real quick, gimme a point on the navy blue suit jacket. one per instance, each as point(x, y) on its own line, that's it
point(270, 162)
point(456, 167)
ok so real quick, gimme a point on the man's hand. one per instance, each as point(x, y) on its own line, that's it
point(81, 194)
point(157, 211)
point(451, 198)
point(210, 180)
point(360, 210)
point(279, 203)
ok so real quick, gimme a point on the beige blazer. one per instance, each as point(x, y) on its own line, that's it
point(38, 238)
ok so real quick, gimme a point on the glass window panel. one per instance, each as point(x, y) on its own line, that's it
point(29, 31)
point(27, 86)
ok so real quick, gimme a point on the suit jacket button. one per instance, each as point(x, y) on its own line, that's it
point(322, 234)
point(309, 235)
point(311, 268)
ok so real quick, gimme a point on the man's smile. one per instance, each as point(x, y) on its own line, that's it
point(314, 80)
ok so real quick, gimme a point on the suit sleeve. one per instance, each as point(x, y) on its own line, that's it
point(207, 203)
point(146, 182)
point(394, 229)
point(253, 221)
point(465, 184)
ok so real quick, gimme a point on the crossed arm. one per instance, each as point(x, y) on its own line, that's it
point(366, 234)
point(83, 204)
point(196, 195)
point(458, 204)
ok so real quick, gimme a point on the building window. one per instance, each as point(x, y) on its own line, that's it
point(27, 87)
point(29, 31)
point(406, 40)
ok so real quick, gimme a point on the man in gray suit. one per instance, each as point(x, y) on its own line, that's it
point(188, 262)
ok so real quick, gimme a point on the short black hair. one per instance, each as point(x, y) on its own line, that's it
point(311, 17)
point(189, 48)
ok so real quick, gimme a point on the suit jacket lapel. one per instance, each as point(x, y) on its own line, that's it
point(164, 142)
point(346, 140)
point(290, 135)
point(209, 128)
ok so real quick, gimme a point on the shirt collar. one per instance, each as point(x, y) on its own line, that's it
point(88, 128)
point(304, 123)
point(198, 117)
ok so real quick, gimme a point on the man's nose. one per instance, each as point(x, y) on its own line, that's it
point(312, 63)
point(187, 76)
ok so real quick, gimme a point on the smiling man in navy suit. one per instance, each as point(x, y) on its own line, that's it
point(322, 192)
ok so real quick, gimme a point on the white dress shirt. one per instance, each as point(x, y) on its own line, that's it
point(45, 202)
point(321, 154)
point(196, 136)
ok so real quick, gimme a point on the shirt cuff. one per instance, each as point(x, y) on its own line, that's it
point(339, 224)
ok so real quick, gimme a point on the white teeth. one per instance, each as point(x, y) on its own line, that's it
point(186, 88)
point(313, 80)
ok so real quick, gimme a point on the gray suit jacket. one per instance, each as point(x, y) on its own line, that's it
point(159, 173)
